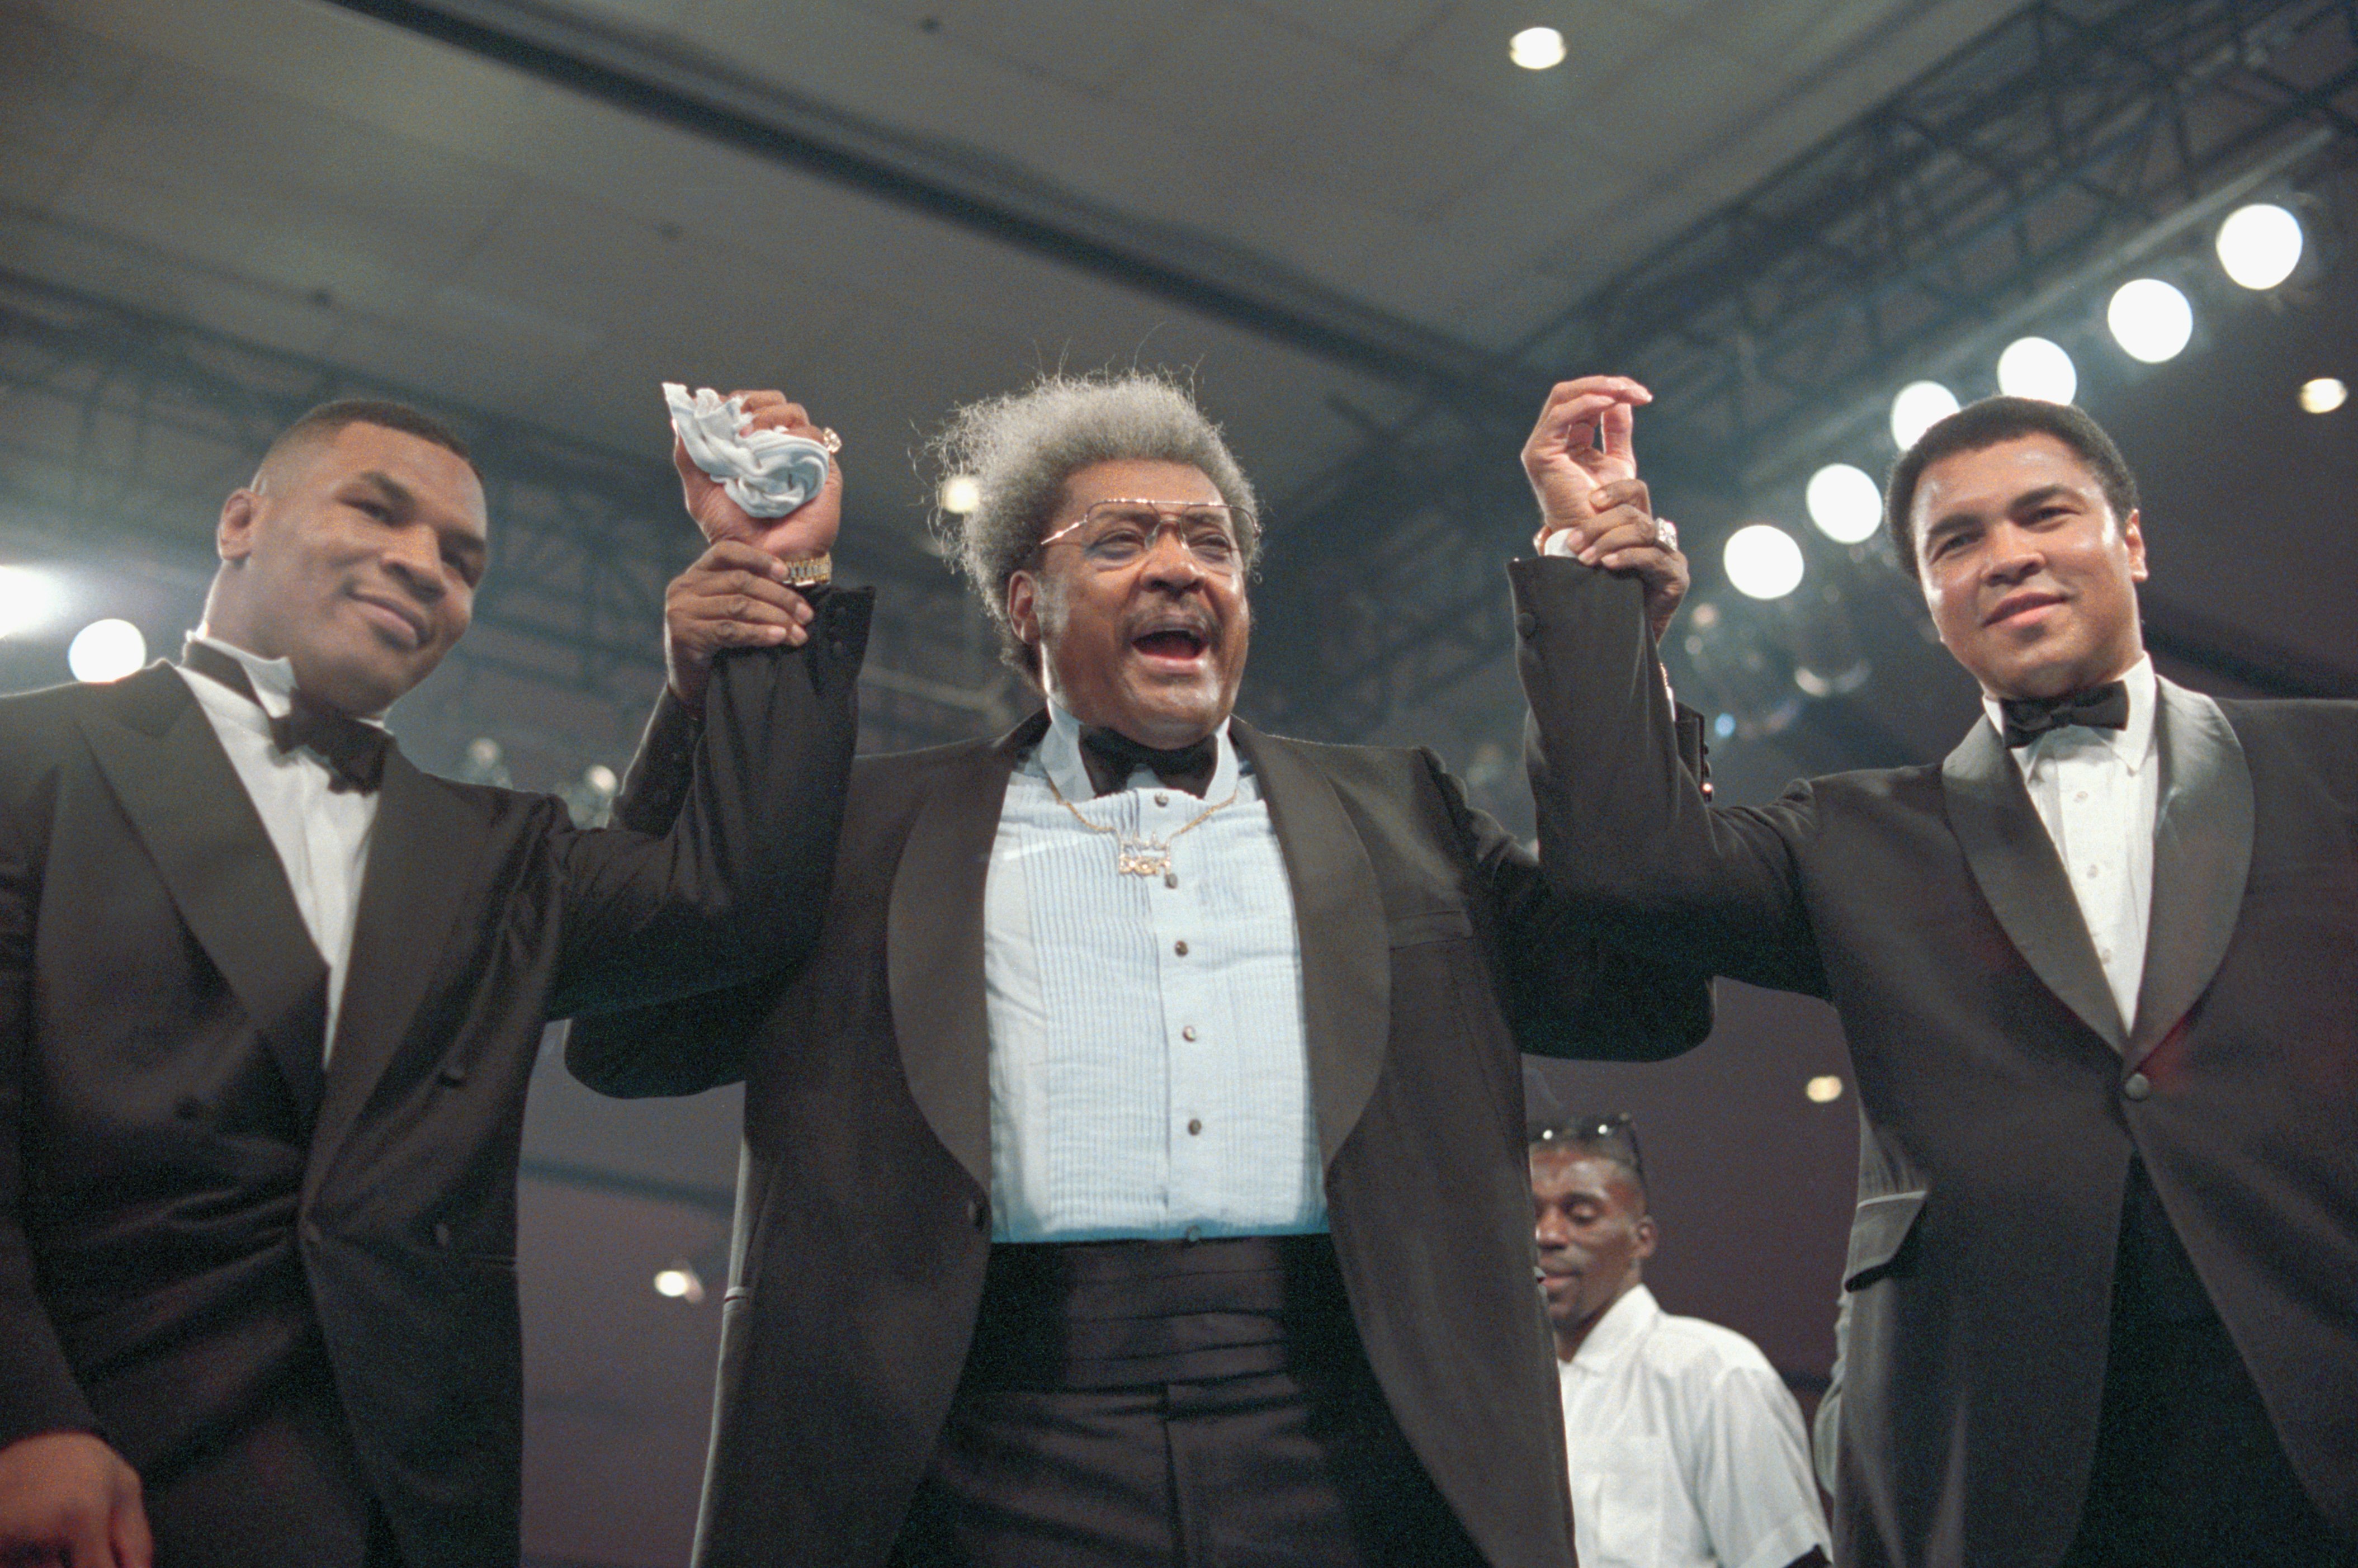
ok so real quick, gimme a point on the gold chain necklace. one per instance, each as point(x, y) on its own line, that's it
point(1147, 857)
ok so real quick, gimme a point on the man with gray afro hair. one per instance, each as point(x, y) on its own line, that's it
point(1134, 1176)
point(1018, 448)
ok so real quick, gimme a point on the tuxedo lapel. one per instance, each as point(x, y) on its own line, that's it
point(423, 848)
point(2202, 855)
point(192, 813)
point(933, 948)
point(2014, 862)
point(1338, 916)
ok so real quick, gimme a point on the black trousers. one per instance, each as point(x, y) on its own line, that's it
point(1196, 1404)
point(2189, 1473)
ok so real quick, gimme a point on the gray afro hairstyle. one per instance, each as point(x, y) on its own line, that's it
point(1022, 448)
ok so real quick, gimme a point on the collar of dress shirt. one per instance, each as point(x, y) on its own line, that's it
point(1625, 1322)
point(2132, 742)
point(1060, 757)
point(274, 679)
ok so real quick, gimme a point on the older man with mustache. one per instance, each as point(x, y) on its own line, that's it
point(1135, 1175)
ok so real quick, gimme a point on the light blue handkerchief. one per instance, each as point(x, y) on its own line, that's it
point(767, 472)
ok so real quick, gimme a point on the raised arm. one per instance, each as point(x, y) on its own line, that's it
point(1626, 835)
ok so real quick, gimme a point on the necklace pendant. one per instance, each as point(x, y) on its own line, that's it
point(1142, 859)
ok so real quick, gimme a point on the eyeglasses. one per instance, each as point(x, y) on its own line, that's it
point(1118, 534)
point(1613, 1136)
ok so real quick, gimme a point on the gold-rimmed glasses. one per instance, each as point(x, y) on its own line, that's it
point(1117, 533)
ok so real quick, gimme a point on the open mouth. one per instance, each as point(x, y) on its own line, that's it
point(1171, 642)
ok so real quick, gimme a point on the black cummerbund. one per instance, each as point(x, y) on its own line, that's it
point(1113, 1315)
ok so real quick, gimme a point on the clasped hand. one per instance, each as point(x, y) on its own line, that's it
point(735, 596)
point(1583, 469)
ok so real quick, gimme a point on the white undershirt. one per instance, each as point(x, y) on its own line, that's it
point(322, 835)
point(2097, 790)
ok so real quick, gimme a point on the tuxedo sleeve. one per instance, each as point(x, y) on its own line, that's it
point(736, 885)
point(1626, 837)
point(38, 1390)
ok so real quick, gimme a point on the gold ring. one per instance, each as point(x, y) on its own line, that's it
point(830, 441)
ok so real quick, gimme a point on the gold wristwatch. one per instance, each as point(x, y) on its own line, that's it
point(817, 571)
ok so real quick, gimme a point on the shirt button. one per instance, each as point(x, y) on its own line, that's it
point(2081, 795)
point(1161, 798)
point(2095, 870)
point(2105, 954)
point(1171, 879)
point(1194, 1125)
point(1195, 1233)
point(1188, 1033)
point(2136, 1086)
point(1180, 947)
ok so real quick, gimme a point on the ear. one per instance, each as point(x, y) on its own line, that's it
point(2133, 535)
point(233, 534)
point(1649, 1236)
point(1023, 607)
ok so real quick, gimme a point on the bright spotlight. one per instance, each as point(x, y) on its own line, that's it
point(1762, 561)
point(2260, 245)
point(2034, 367)
point(600, 777)
point(1824, 1090)
point(2322, 395)
point(1536, 48)
point(2150, 319)
point(1844, 503)
point(107, 650)
point(1919, 405)
point(29, 598)
point(680, 1283)
point(960, 493)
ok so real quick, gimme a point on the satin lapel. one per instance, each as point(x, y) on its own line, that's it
point(2202, 855)
point(192, 813)
point(1338, 918)
point(423, 852)
point(933, 948)
point(2014, 861)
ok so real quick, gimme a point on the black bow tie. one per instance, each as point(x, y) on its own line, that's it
point(2104, 707)
point(1111, 757)
point(353, 752)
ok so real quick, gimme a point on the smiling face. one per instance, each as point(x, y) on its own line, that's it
point(1593, 1234)
point(355, 556)
point(2030, 578)
point(1152, 648)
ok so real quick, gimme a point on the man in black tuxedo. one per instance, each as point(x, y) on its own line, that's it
point(1135, 1173)
point(2096, 971)
point(270, 999)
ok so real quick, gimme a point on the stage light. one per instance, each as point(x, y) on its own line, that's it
point(1724, 726)
point(1536, 48)
point(2260, 245)
point(680, 1283)
point(29, 598)
point(1844, 503)
point(1762, 561)
point(2150, 319)
point(107, 650)
point(960, 493)
point(2322, 395)
point(2034, 367)
point(1824, 1090)
point(600, 778)
point(1919, 405)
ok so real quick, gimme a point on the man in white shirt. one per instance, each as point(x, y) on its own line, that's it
point(1686, 1447)
point(270, 999)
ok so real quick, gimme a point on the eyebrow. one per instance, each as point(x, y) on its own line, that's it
point(469, 544)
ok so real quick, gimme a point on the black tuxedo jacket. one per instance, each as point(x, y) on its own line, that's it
point(2001, 1095)
point(175, 1230)
point(1431, 949)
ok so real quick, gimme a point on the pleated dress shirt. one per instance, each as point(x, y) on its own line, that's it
point(1150, 1076)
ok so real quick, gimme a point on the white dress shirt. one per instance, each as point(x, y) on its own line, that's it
point(2096, 790)
point(1149, 1073)
point(322, 835)
point(1686, 1447)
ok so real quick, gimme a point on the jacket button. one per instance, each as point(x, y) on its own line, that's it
point(978, 1214)
point(1526, 622)
point(2136, 1086)
point(442, 1234)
